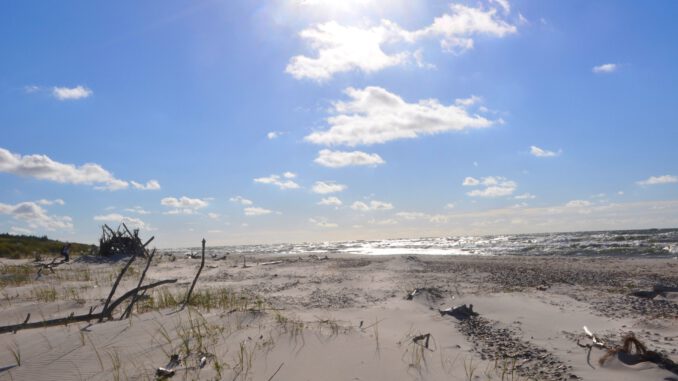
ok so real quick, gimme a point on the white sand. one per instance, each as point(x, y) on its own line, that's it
point(313, 315)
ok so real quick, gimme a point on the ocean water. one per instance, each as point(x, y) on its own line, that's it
point(657, 243)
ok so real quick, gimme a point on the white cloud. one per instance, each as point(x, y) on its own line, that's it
point(181, 211)
point(373, 205)
point(214, 216)
point(322, 222)
point(522, 20)
point(578, 204)
point(656, 180)
point(605, 68)
point(57, 201)
point(183, 205)
point(323, 187)
point(36, 216)
point(256, 211)
point(338, 159)
point(504, 4)
point(273, 135)
point(43, 168)
point(494, 186)
point(411, 215)
point(539, 152)
point(418, 56)
point(470, 181)
point(72, 93)
point(116, 218)
point(373, 115)
point(241, 200)
point(450, 206)
point(330, 201)
point(467, 102)
point(341, 48)
point(525, 196)
point(457, 28)
point(278, 181)
point(137, 210)
point(150, 185)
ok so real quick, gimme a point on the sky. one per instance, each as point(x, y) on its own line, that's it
point(314, 120)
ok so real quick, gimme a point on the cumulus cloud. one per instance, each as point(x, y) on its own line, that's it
point(116, 218)
point(373, 205)
point(325, 187)
point(374, 115)
point(214, 216)
point(330, 201)
point(71, 93)
point(183, 205)
point(338, 159)
point(494, 186)
point(241, 200)
point(657, 180)
point(284, 182)
point(539, 152)
point(341, 48)
point(605, 68)
point(150, 185)
point(43, 168)
point(273, 135)
point(344, 48)
point(470, 181)
point(256, 211)
point(36, 216)
point(322, 222)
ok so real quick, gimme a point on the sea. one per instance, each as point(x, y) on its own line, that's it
point(651, 243)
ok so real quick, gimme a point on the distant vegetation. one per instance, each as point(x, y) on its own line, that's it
point(28, 246)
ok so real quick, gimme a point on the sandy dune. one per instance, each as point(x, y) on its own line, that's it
point(347, 317)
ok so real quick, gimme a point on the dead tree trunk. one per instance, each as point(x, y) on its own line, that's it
point(195, 280)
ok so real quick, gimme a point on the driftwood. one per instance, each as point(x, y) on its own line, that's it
point(137, 251)
point(135, 297)
point(270, 263)
point(111, 304)
point(461, 312)
point(120, 242)
point(630, 356)
point(49, 266)
point(72, 318)
point(424, 337)
point(195, 280)
point(657, 290)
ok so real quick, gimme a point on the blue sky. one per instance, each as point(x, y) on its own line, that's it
point(309, 120)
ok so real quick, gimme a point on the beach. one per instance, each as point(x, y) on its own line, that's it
point(347, 317)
